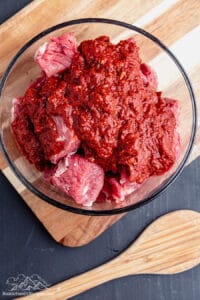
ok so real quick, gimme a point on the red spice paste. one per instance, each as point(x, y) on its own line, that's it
point(121, 120)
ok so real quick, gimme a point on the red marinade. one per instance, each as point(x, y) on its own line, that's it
point(120, 119)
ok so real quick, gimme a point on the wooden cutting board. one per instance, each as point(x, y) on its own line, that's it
point(176, 23)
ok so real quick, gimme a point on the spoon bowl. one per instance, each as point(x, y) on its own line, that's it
point(169, 245)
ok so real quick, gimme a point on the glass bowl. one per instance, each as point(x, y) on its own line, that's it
point(173, 81)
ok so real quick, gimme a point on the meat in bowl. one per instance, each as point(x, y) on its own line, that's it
point(94, 122)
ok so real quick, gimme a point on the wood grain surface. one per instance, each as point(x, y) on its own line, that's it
point(176, 23)
point(169, 245)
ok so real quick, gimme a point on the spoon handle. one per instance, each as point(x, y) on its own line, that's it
point(170, 245)
point(77, 284)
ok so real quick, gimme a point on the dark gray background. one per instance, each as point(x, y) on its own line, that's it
point(26, 247)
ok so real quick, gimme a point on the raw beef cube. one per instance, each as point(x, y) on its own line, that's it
point(149, 76)
point(115, 189)
point(57, 140)
point(56, 56)
point(173, 104)
point(23, 131)
point(112, 190)
point(67, 136)
point(128, 187)
point(78, 178)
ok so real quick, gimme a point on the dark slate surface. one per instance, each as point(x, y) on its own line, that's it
point(10, 7)
point(26, 248)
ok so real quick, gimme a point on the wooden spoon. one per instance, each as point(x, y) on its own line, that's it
point(170, 245)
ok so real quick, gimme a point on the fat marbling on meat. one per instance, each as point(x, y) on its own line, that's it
point(56, 56)
point(78, 178)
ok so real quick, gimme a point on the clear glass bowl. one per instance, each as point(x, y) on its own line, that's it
point(173, 81)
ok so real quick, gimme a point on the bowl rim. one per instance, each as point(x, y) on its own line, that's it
point(167, 183)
